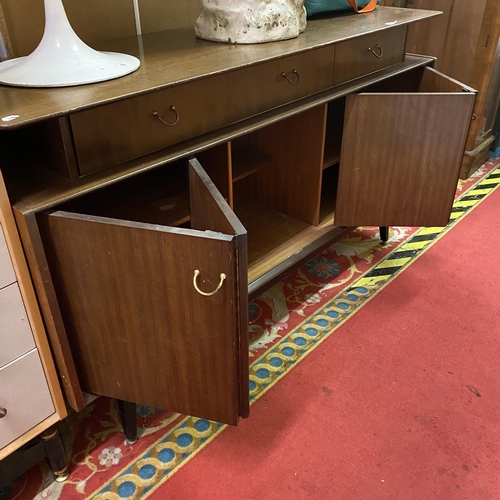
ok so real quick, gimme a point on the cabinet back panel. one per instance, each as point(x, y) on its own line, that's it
point(291, 183)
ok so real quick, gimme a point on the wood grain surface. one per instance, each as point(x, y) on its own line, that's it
point(188, 58)
point(209, 210)
point(401, 157)
point(291, 182)
point(354, 58)
point(34, 189)
point(183, 347)
point(128, 129)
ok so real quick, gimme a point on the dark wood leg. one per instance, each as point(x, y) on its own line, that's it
point(55, 453)
point(384, 234)
point(129, 420)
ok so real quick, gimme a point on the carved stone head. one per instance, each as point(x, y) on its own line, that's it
point(250, 21)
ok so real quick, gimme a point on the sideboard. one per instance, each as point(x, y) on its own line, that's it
point(152, 208)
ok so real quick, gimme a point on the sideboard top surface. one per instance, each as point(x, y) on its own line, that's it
point(177, 56)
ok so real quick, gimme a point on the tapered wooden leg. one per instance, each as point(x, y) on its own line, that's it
point(384, 234)
point(129, 420)
point(55, 453)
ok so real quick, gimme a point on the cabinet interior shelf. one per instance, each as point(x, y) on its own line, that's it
point(274, 237)
point(247, 162)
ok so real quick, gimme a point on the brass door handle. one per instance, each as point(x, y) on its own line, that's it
point(3, 412)
point(291, 82)
point(376, 51)
point(172, 124)
point(207, 294)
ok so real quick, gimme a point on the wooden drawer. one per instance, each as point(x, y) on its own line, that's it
point(16, 338)
point(124, 130)
point(7, 275)
point(25, 395)
point(367, 54)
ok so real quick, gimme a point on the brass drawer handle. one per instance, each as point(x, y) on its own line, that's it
point(3, 412)
point(376, 51)
point(195, 284)
point(291, 82)
point(172, 108)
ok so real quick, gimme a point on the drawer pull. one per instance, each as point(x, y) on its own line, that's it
point(3, 412)
point(376, 51)
point(172, 108)
point(292, 82)
point(195, 284)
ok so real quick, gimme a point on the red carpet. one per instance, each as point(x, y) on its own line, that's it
point(401, 402)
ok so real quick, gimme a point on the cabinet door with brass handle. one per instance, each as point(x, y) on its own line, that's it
point(401, 154)
point(157, 314)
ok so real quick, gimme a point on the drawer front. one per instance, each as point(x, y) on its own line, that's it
point(7, 275)
point(121, 131)
point(25, 395)
point(16, 338)
point(367, 54)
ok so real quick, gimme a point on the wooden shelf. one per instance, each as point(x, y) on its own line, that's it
point(276, 240)
point(246, 162)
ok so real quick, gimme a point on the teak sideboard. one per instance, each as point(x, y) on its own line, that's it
point(152, 208)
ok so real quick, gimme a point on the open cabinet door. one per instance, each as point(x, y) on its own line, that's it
point(401, 154)
point(153, 312)
point(209, 210)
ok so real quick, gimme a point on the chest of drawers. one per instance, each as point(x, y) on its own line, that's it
point(147, 244)
point(30, 396)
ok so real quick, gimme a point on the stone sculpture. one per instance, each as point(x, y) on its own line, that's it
point(250, 21)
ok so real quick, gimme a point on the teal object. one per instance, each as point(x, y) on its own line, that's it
point(314, 7)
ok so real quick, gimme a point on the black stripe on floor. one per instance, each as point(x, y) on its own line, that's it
point(486, 186)
point(473, 197)
point(423, 237)
point(403, 254)
point(386, 271)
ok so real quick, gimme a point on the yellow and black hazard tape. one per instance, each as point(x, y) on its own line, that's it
point(408, 251)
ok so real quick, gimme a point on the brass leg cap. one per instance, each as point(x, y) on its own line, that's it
point(62, 477)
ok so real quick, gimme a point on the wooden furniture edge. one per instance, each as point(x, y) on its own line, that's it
point(30, 301)
point(29, 435)
point(35, 255)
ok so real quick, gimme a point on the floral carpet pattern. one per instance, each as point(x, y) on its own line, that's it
point(286, 323)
